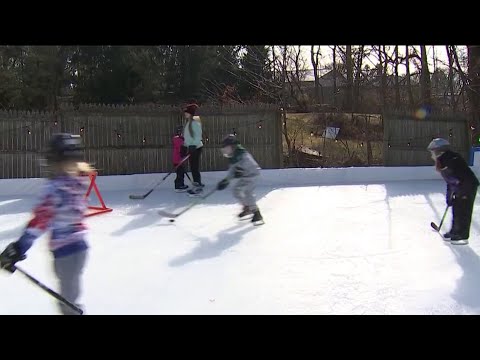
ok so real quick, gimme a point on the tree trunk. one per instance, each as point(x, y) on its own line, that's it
point(409, 81)
point(453, 103)
point(284, 106)
point(314, 60)
point(358, 73)
point(474, 77)
point(397, 85)
point(349, 65)
point(301, 99)
point(334, 75)
point(380, 72)
point(425, 85)
point(384, 76)
point(464, 78)
point(273, 57)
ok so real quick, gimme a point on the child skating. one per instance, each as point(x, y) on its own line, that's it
point(462, 187)
point(61, 212)
point(245, 169)
point(179, 153)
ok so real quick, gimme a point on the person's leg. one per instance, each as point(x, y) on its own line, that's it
point(248, 187)
point(195, 165)
point(463, 209)
point(69, 271)
point(180, 180)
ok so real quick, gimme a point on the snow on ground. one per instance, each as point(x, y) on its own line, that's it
point(339, 249)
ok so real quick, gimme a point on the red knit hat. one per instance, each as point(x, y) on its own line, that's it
point(191, 109)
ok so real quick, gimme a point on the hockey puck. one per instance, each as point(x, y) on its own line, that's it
point(172, 220)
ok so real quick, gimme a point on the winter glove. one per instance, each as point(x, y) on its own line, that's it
point(450, 197)
point(10, 256)
point(183, 151)
point(238, 174)
point(192, 149)
point(223, 184)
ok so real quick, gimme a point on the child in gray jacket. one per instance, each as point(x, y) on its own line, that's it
point(244, 168)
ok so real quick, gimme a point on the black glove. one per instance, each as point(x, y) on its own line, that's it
point(10, 256)
point(238, 174)
point(450, 197)
point(183, 151)
point(223, 184)
point(192, 149)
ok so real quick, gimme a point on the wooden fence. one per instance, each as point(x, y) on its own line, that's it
point(406, 136)
point(136, 139)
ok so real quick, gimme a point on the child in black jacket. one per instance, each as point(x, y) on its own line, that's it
point(462, 187)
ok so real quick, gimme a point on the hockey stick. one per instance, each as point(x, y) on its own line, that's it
point(141, 197)
point(50, 291)
point(191, 205)
point(437, 228)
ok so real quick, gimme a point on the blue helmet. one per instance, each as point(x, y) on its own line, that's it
point(438, 144)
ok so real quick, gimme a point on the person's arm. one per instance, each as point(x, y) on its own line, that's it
point(43, 214)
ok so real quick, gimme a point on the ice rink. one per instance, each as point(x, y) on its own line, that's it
point(325, 249)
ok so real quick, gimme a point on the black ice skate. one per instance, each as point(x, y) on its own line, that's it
point(257, 218)
point(245, 212)
point(459, 239)
point(181, 188)
point(197, 191)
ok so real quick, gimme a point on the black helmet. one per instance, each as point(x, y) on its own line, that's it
point(230, 140)
point(65, 147)
point(179, 130)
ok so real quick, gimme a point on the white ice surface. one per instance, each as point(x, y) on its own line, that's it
point(344, 249)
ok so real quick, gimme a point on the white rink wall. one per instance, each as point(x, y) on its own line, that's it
point(277, 177)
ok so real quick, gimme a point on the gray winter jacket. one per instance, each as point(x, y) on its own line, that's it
point(243, 163)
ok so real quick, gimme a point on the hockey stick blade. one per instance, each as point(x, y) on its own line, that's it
point(172, 215)
point(191, 205)
point(140, 197)
point(434, 226)
point(167, 214)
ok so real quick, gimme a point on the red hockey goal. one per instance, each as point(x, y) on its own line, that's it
point(95, 210)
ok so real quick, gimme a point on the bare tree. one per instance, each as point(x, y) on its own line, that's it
point(335, 75)
point(381, 73)
point(409, 81)
point(287, 67)
point(295, 77)
point(474, 86)
point(463, 77)
point(453, 103)
point(314, 57)
point(384, 75)
point(397, 85)
point(357, 77)
point(349, 66)
point(284, 103)
point(425, 85)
